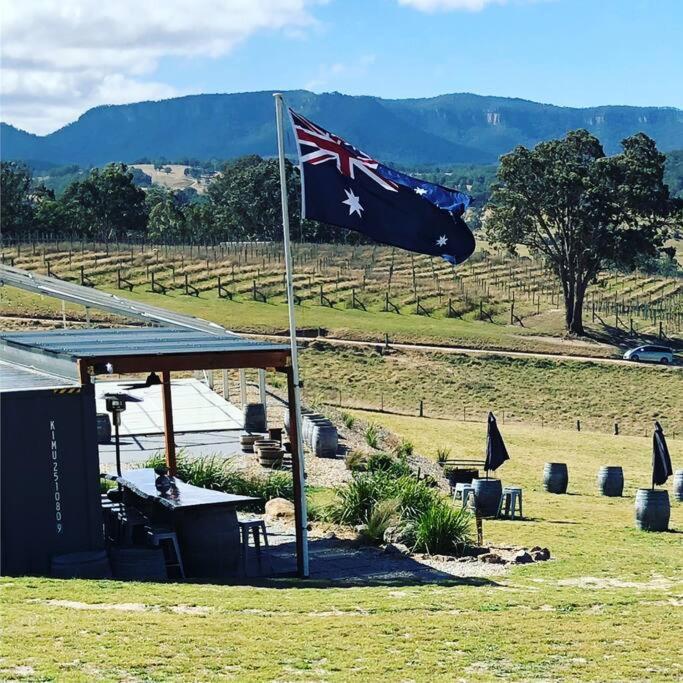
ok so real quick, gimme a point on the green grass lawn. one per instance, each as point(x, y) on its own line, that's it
point(607, 608)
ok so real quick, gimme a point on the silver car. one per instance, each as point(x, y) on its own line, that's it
point(651, 354)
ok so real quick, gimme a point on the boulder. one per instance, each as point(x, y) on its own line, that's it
point(522, 557)
point(279, 508)
point(393, 534)
point(396, 549)
point(540, 554)
point(491, 558)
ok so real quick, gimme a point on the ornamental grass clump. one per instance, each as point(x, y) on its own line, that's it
point(386, 496)
point(441, 529)
point(383, 515)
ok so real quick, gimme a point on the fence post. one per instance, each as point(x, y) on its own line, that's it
point(578, 425)
point(616, 429)
point(421, 408)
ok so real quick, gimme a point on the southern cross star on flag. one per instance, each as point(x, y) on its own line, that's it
point(345, 187)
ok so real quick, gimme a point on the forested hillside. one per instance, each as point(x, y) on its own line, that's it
point(449, 129)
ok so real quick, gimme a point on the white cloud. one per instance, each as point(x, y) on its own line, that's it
point(334, 75)
point(449, 5)
point(60, 57)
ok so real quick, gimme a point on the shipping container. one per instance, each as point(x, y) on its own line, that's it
point(49, 470)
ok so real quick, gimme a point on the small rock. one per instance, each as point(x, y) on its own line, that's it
point(491, 558)
point(329, 536)
point(467, 559)
point(279, 508)
point(393, 534)
point(540, 555)
point(523, 557)
point(360, 528)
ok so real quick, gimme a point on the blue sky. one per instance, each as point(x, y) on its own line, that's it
point(567, 52)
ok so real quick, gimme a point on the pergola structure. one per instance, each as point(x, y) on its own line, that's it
point(83, 354)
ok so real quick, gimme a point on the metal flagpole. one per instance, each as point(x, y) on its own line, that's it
point(292, 329)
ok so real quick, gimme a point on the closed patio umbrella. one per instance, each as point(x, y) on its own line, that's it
point(496, 453)
point(661, 460)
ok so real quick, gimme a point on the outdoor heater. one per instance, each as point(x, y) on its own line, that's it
point(116, 404)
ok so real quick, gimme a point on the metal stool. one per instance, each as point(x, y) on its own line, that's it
point(130, 519)
point(157, 535)
point(257, 527)
point(465, 491)
point(510, 502)
point(458, 490)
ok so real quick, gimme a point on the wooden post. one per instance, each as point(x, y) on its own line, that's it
point(226, 386)
point(297, 480)
point(243, 388)
point(169, 436)
point(262, 392)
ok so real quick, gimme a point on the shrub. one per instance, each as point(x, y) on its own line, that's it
point(355, 499)
point(382, 516)
point(385, 462)
point(372, 436)
point(414, 497)
point(441, 529)
point(356, 461)
point(348, 420)
point(442, 455)
point(404, 449)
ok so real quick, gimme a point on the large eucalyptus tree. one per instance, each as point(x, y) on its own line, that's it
point(581, 210)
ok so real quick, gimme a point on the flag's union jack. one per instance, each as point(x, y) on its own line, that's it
point(318, 146)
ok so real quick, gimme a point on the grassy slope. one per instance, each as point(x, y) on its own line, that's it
point(525, 389)
point(250, 316)
point(534, 624)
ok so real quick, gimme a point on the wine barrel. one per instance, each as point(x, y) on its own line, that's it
point(678, 485)
point(85, 565)
point(611, 481)
point(103, 428)
point(652, 509)
point(324, 441)
point(138, 564)
point(209, 540)
point(271, 457)
point(255, 417)
point(487, 495)
point(247, 442)
point(310, 421)
point(304, 412)
point(555, 477)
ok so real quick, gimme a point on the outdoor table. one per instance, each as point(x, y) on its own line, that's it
point(204, 520)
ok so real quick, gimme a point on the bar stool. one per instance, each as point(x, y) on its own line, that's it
point(130, 519)
point(458, 490)
point(510, 502)
point(157, 535)
point(463, 492)
point(257, 527)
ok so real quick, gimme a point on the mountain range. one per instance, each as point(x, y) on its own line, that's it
point(448, 129)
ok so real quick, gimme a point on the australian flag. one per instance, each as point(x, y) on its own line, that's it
point(345, 187)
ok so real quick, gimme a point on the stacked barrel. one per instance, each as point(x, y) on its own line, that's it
point(318, 434)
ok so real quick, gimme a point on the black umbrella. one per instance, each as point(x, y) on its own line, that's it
point(496, 453)
point(661, 460)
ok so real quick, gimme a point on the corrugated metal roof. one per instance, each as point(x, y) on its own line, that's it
point(89, 343)
point(19, 378)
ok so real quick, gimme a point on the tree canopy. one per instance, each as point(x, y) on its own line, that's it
point(581, 210)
